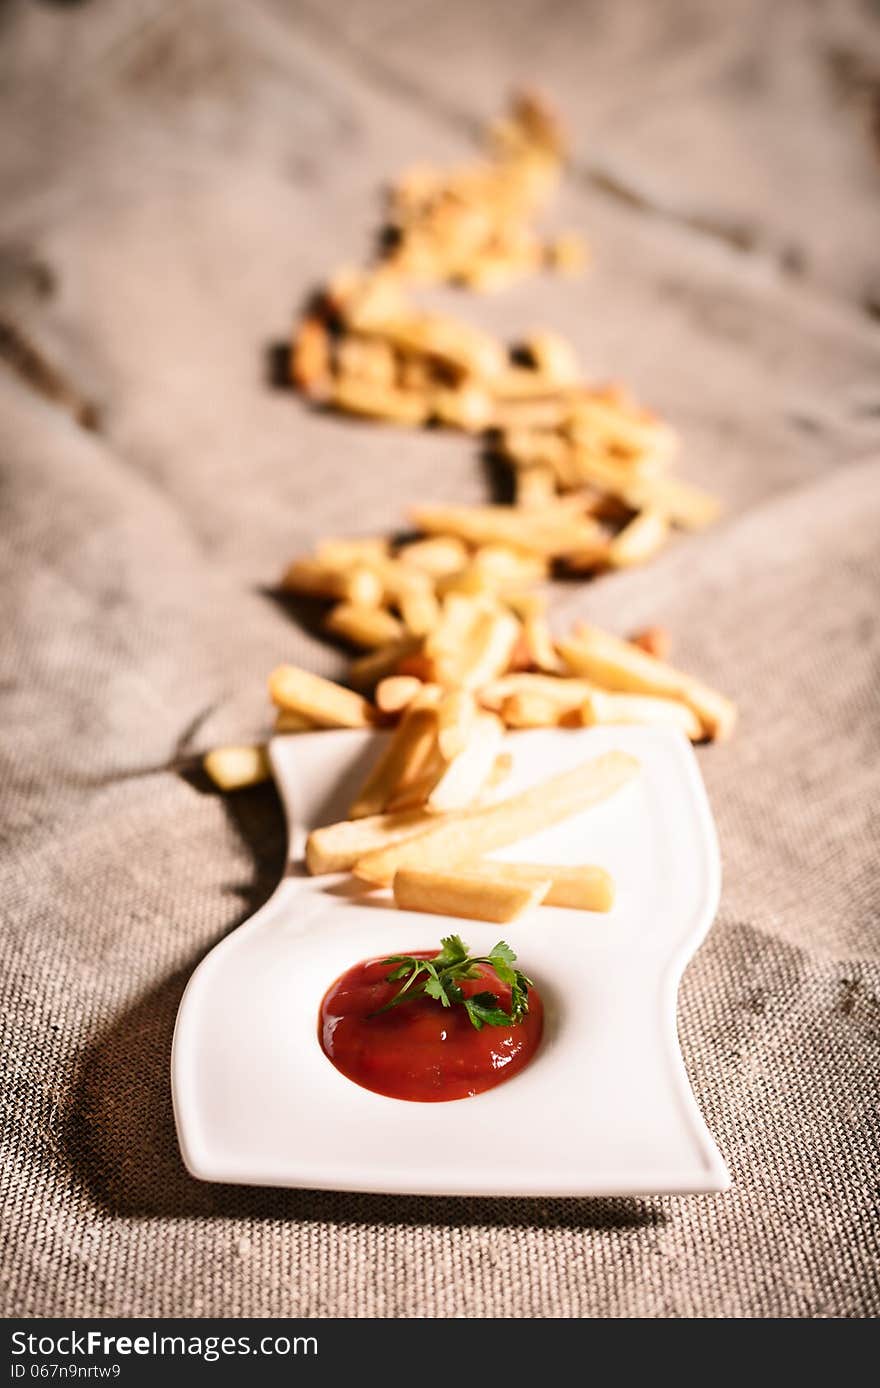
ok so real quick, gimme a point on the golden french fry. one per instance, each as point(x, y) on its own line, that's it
point(387, 403)
point(456, 894)
point(535, 486)
point(368, 670)
point(234, 768)
point(584, 888)
point(685, 505)
point(316, 579)
point(484, 652)
point(401, 763)
point(351, 552)
point(310, 356)
point(640, 540)
point(469, 408)
point(370, 627)
point(601, 707)
point(618, 665)
point(440, 556)
point(553, 531)
point(456, 714)
point(531, 710)
point(337, 847)
point(554, 357)
point(325, 703)
point(368, 360)
point(419, 609)
point(539, 643)
point(396, 692)
point(467, 772)
point(474, 833)
point(566, 693)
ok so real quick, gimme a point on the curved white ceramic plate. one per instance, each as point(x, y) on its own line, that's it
point(604, 1108)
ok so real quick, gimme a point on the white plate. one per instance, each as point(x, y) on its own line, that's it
point(604, 1108)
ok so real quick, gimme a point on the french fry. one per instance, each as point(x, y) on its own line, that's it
point(456, 714)
point(337, 847)
point(396, 692)
point(535, 486)
point(310, 357)
point(539, 643)
point(483, 653)
point(567, 693)
point(469, 769)
point(470, 408)
point(401, 763)
point(618, 665)
point(351, 552)
point(477, 832)
point(235, 768)
point(580, 888)
point(386, 403)
point(530, 710)
point(602, 707)
point(639, 540)
point(315, 579)
point(501, 769)
point(549, 532)
point(459, 345)
point(457, 894)
point(370, 627)
point(419, 609)
point(327, 704)
point(367, 359)
point(685, 505)
point(439, 556)
point(554, 357)
point(368, 670)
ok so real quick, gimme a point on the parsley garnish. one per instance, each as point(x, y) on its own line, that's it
point(437, 978)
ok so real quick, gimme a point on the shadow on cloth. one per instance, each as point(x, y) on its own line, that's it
point(120, 1140)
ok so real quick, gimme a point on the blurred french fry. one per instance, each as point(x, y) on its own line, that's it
point(539, 643)
point(601, 707)
point(474, 833)
point(530, 710)
point(351, 552)
point(566, 692)
point(419, 609)
point(439, 556)
point(639, 540)
point(457, 894)
point(310, 357)
point(327, 704)
point(337, 847)
point(368, 670)
point(554, 357)
point(585, 888)
point(483, 653)
point(316, 579)
point(535, 486)
point(456, 714)
point(400, 764)
point(550, 532)
point(470, 767)
point(386, 403)
point(396, 692)
point(370, 627)
point(501, 769)
point(234, 768)
point(618, 665)
point(685, 505)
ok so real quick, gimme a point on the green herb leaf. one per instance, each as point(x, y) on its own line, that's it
point(439, 978)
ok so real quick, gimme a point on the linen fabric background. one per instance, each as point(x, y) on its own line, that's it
point(176, 177)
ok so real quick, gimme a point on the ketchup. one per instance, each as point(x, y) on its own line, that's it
point(421, 1050)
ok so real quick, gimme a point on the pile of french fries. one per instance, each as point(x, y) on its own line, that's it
point(433, 855)
point(454, 649)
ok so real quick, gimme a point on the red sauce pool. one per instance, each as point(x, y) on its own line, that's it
point(420, 1050)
